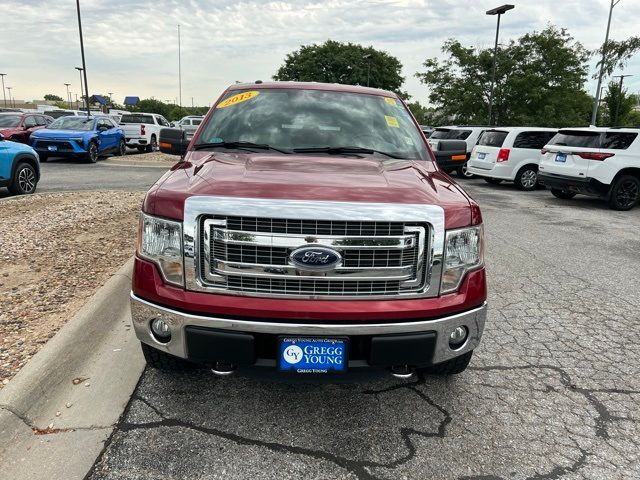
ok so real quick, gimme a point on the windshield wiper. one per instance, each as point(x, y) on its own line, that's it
point(260, 146)
point(338, 150)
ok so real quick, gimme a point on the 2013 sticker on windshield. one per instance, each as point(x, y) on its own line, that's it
point(239, 98)
point(390, 101)
point(392, 121)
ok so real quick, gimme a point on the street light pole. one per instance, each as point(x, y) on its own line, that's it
point(495, 11)
point(80, 69)
point(68, 95)
point(84, 65)
point(4, 95)
point(10, 104)
point(615, 119)
point(596, 101)
point(179, 70)
point(368, 57)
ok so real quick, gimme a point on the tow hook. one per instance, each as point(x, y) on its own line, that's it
point(402, 371)
point(223, 369)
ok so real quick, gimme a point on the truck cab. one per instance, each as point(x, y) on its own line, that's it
point(308, 230)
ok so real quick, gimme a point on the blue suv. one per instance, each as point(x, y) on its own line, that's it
point(79, 136)
point(19, 167)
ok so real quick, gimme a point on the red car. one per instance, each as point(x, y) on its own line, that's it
point(308, 229)
point(17, 126)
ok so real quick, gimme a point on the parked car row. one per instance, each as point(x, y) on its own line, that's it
point(596, 161)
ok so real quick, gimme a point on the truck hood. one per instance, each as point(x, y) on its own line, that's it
point(308, 177)
point(50, 133)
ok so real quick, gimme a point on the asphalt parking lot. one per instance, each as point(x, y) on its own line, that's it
point(552, 392)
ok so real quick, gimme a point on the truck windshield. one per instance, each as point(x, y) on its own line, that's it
point(72, 123)
point(315, 122)
point(9, 120)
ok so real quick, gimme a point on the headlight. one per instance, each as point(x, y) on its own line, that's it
point(463, 251)
point(160, 241)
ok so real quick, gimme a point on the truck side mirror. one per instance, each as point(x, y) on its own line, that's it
point(173, 141)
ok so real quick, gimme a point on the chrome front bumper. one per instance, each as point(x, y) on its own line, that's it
point(142, 312)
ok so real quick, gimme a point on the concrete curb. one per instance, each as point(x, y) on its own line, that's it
point(97, 345)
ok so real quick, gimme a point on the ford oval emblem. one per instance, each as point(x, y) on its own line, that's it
point(316, 258)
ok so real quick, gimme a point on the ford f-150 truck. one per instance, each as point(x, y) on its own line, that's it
point(308, 229)
point(141, 130)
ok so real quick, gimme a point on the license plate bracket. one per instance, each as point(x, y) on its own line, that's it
point(481, 156)
point(313, 355)
point(52, 148)
point(561, 157)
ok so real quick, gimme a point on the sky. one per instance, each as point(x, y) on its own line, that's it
point(131, 46)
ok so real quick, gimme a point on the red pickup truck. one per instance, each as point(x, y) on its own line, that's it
point(308, 229)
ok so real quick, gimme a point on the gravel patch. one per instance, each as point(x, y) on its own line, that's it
point(143, 158)
point(57, 250)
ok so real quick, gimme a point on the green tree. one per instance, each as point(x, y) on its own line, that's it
point(618, 54)
point(52, 98)
point(170, 111)
point(336, 62)
point(620, 102)
point(540, 80)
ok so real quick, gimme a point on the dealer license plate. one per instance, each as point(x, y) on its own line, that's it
point(481, 156)
point(561, 157)
point(52, 148)
point(312, 355)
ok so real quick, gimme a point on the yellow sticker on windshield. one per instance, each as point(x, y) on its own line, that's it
point(239, 98)
point(392, 121)
point(390, 101)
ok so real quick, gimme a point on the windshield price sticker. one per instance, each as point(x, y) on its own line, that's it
point(392, 121)
point(241, 97)
point(390, 101)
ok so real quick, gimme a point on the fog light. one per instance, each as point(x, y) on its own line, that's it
point(161, 329)
point(458, 336)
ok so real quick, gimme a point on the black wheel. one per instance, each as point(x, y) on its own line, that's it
point(451, 367)
point(153, 146)
point(493, 181)
point(463, 172)
point(163, 361)
point(122, 148)
point(625, 193)
point(92, 153)
point(527, 178)
point(563, 194)
point(141, 149)
point(25, 180)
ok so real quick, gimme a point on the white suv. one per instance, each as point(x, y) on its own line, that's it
point(602, 162)
point(469, 134)
point(511, 154)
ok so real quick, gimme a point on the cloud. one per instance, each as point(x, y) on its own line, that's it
point(131, 45)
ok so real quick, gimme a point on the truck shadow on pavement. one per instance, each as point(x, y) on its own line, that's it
point(490, 422)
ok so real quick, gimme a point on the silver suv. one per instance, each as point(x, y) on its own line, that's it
point(190, 124)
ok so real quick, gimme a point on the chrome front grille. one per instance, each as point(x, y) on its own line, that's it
point(249, 254)
point(242, 246)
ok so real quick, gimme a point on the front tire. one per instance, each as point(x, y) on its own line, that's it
point(492, 181)
point(450, 367)
point(92, 152)
point(625, 193)
point(163, 361)
point(562, 194)
point(527, 178)
point(25, 180)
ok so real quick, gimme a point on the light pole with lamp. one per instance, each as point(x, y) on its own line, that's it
point(80, 70)
point(622, 77)
point(596, 101)
point(4, 95)
point(10, 103)
point(84, 65)
point(68, 95)
point(368, 58)
point(495, 11)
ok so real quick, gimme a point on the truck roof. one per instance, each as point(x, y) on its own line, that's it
point(334, 87)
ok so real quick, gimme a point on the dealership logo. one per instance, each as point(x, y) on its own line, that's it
point(292, 354)
point(315, 258)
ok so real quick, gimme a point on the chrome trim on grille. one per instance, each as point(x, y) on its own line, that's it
point(250, 279)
